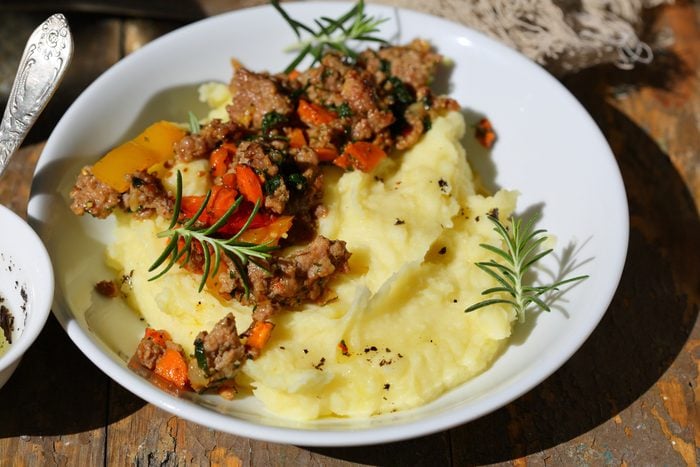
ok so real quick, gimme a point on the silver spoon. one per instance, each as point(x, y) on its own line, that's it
point(44, 61)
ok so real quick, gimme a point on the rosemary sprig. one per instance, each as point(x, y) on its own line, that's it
point(520, 254)
point(331, 33)
point(183, 238)
point(194, 123)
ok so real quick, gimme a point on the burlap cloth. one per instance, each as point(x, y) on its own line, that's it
point(562, 35)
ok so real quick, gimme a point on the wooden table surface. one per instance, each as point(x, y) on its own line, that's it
point(629, 396)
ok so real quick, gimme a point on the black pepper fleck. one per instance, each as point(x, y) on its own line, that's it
point(320, 364)
point(443, 250)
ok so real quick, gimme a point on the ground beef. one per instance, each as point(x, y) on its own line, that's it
point(277, 200)
point(303, 205)
point(323, 83)
point(92, 196)
point(107, 289)
point(414, 63)
point(210, 136)
point(286, 281)
point(254, 95)
point(255, 154)
point(223, 349)
point(303, 276)
point(146, 196)
point(148, 352)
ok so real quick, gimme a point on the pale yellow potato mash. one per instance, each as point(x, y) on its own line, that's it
point(413, 227)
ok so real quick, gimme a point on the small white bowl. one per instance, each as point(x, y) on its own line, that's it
point(26, 286)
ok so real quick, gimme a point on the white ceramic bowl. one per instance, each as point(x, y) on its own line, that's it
point(548, 148)
point(26, 286)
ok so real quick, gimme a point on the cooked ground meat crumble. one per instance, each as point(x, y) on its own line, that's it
point(282, 127)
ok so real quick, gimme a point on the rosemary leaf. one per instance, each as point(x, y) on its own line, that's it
point(327, 32)
point(520, 255)
point(194, 123)
point(184, 237)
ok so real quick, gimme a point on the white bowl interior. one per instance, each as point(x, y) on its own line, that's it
point(26, 285)
point(570, 176)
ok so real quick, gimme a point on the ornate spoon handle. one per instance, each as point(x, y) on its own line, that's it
point(44, 61)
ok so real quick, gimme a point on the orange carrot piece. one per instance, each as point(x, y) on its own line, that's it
point(221, 200)
point(294, 74)
point(248, 183)
point(190, 205)
point(364, 156)
point(172, 367)
point(259, 334)
point(219, 161)
point(296, 138)
point(326, 154)
point(229, 180)
point(484, 133)
point(314, 114)
point(230, 147)
point(343, 161)
point(159, 337)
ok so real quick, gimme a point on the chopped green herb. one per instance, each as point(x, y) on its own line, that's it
point(272, 120)
point(194, 123)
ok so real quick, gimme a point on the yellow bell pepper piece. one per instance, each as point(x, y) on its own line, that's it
point(153, 146)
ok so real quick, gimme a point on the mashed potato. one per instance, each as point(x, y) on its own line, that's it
point(413, 227)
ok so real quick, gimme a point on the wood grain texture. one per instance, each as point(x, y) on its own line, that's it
point(629, 396)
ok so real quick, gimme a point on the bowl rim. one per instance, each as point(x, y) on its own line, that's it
point(41, 303)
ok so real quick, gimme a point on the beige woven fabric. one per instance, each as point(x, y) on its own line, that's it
point(563, 35)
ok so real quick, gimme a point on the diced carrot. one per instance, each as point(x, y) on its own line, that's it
point(221, 200)
point(314, 114)
point(259, 334)
point(296, 138)
point(190, 205)
point(248, 183)
point(172, 366)
point(219, 160)
point(343, 161)
point(294, 74)
point(326, 154)
point(270, 233)
point(364, 156)
point(230, 147)
point(484, 133)
point(159, 337)
point(229, 180)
